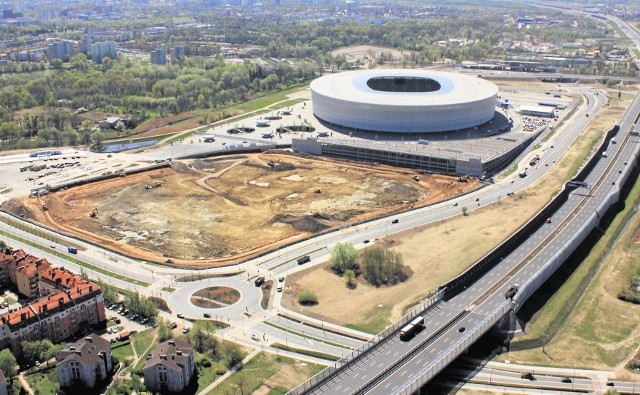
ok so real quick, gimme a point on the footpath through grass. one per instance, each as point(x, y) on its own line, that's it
point(275, 373)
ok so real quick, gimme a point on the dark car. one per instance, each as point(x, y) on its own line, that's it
point(367, 241)
point(180, 315)
point(566, 380)
point(395, 221)
point(206, 315)
point(461, 329)
point(304, 259)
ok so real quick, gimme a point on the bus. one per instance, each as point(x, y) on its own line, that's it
point(409, 330)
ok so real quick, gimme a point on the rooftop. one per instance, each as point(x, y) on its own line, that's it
point(173, 354)
point(89, 350)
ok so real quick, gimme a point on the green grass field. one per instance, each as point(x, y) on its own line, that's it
point(264, 369)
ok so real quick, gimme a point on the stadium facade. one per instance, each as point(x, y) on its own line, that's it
point(403, 101)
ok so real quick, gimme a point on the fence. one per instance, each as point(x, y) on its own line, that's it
point(343, 363)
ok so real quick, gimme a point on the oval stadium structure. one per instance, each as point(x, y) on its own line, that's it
point(403, 101)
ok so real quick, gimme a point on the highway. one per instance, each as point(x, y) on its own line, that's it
point(394, 366)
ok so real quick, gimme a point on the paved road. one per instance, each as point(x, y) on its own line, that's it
point(522, 264)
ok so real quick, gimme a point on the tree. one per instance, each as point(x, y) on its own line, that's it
point(164, 331)
point(464, 210)
point(349, 276)
point(344, 257)
point(39, 350)
point(3, 245)
point(202, 339)
point(382, 266)
point(8, 363)
point(56, 63)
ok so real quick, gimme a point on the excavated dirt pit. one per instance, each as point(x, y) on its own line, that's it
point(218, 211)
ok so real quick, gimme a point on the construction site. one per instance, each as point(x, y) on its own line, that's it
point(221, 211)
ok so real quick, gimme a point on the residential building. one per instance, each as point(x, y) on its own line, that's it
point(159, 56)
point(86, 362)
point(101, 50)
point(27, 272)
point(3, 384)
point(178, 53)
point(60, 50)
point(170, 368)
point(56, 316)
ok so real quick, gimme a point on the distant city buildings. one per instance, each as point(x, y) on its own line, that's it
point(178, 53)
point(159, 56)
point(60, 50)
point(86, 362)
point(101, 50)
point(68, 303)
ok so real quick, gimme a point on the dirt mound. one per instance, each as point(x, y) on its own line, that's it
point(307, 223)
point(181, 167)
point(201, 164)
point(14, 206)
point(283, 167)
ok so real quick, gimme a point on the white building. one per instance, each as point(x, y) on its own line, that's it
point(85, 362)
point(170, 368)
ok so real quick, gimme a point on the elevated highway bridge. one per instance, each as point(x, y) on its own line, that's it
point(468, 306)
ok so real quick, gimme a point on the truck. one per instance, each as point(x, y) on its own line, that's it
point(511, 291)
point(72, 250)
point(412, 328)
point(304, 259)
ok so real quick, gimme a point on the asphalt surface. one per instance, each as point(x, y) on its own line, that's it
point(524, 263)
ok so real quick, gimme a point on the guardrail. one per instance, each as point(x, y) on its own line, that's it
point(429, 371)
point(490, 260)
point(411, 353)
point(330, 372)
point(533, 283)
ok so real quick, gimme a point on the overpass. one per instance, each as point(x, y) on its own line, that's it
point(469, 305)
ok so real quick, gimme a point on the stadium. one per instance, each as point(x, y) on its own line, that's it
point(403, 101)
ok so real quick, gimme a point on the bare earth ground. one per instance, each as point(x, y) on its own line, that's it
point(366, 53)
point(221, 210)
point(438, 252)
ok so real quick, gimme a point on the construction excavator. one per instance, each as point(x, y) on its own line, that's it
point(94, 213)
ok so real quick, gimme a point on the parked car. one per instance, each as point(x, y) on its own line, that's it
point(206, 315)
point(180, 315)
point(173, 325)
point(186, 330)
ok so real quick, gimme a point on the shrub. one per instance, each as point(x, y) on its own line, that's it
point(307, 298)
